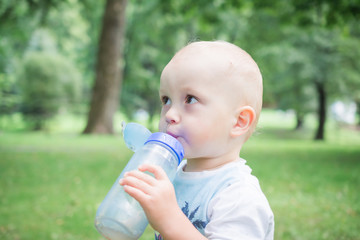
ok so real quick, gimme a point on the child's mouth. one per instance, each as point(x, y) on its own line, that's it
point(173, 135)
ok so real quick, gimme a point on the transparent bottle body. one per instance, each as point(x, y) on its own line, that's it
point(120, 217)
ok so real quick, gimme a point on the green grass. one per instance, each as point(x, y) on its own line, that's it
point(312, 187)
point(52, 183)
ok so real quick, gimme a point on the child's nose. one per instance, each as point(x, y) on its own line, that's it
point(172, 116)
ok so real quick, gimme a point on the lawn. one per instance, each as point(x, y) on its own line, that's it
point(51, 183)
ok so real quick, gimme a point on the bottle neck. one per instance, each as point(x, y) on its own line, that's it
point(167, 147)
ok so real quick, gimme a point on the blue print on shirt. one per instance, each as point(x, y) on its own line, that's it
point(199, 224)
point(158, 237)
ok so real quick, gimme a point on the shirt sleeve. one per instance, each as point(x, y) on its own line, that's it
point(240, 211)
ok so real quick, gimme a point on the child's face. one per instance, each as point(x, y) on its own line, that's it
point(197, 108)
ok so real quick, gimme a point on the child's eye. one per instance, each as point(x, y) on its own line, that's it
point(190, 99)
point(165, 100)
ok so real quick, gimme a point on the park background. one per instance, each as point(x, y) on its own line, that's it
point(71, 71)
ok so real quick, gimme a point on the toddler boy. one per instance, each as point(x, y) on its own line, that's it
point(212, 96)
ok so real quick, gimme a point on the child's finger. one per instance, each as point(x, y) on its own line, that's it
point(135, 182)
point(142, 176)
point(158, 172)
point(137, 194)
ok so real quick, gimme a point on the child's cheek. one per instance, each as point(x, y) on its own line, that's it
point(197, 138)
point(162, 125)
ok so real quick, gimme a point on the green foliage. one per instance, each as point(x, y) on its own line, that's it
point(76, 35)
point(9, 97)
point(294, 42)
point(349, 48)
point(48, 81)
point(304, 48)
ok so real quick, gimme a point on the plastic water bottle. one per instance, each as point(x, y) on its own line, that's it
point(121, 217)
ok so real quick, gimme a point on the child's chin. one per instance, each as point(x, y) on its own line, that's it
point(188, 155)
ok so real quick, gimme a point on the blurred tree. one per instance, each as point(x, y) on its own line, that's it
point(323, 49)
point(91, 12)
point(285, 67)
point(47, 80)
point(9, 96)
point(305, 56)
point(105, 95)
point(286, 73)
point(349, 49)
point(16, 26)
point(19, 21)
point(293, 41)
point(320, 20)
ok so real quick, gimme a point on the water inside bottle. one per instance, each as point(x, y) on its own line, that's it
point(112, 230)
point(127, 225)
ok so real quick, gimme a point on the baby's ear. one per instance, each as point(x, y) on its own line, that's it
point(245, 117)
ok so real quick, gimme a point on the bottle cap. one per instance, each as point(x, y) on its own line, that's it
point(169, 141)
point(135, 135)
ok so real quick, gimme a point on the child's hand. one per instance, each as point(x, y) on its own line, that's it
point(156, 194)
point(157, 197)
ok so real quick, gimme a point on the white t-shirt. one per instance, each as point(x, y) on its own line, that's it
point(225, 203)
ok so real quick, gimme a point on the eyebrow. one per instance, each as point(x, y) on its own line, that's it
point(192, 90)
point(161, 91)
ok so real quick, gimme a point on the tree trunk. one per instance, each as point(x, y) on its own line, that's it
point(358, 112)
point(320, 88)
point(299, 121)
point(106, 90)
